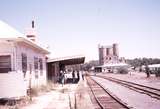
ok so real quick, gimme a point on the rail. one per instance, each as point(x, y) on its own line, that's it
point(104, 98)
point(153, 92)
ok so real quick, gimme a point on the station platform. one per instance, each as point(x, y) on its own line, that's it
point(68, 96)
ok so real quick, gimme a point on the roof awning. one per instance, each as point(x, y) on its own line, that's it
point(33, 44)
point(70, 60)
point(28, 42)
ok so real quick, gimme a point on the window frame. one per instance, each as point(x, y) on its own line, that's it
point(24, 62)
point(41, 66)
point(8, 69)
point(36, 66)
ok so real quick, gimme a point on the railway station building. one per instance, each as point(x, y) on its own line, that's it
point(22, 62)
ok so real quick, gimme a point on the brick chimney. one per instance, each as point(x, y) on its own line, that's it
point(31, 34)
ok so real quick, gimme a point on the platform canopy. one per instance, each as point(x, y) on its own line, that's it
point(70, 60)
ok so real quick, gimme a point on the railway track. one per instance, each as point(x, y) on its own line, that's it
point(104, 98)
point(153, 92)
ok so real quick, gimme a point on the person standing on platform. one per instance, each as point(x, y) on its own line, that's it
point(73, 76)
point(77, 76)
point(62, 78)
point(83, 75)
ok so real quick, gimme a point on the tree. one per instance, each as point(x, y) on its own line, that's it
point(138, 62)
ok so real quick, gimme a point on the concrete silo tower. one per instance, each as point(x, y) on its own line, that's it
point(108, 54)
point(115, 50)
point(102, 54)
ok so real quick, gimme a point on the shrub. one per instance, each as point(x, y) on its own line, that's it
point(122, 70)
point(34, 91)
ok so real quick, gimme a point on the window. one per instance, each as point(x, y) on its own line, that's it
point(41, 66)
point(24, 64)
point(5, 64)
point(36, 66)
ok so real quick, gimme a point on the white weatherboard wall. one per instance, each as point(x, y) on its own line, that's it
point(7, 48)
point(12, 85)
point(13, 43)
point(31, 53)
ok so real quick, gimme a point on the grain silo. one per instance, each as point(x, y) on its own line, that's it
point(115, 50)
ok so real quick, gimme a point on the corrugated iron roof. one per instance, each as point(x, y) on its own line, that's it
point(68, 60)
point(9, 33)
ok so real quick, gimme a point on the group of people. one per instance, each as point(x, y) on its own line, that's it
point(75, 76)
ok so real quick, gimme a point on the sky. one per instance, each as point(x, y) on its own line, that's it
point(73, 27)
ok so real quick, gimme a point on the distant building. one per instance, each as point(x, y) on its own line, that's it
point(109, 60)
point(22, 62)
point(108, 54)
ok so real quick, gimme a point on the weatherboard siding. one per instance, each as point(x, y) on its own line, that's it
point(7, 48)
point(13, 83)
point(31, 53)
